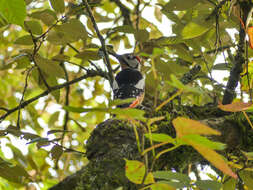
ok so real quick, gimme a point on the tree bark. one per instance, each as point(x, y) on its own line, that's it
point(112, 141)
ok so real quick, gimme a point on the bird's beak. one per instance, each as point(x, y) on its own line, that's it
point(119, 58)
point(115, 55)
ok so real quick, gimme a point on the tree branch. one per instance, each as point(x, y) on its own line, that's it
point(23, 95)
point(90, 73)
point(102, 41)
point(125, 11)
point(234, 77)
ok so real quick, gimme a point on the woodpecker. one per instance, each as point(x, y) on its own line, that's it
point(129, 82)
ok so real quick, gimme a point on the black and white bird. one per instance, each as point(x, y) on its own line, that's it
point(129, 82)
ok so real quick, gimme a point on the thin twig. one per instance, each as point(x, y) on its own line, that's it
point(23, 95)
point(35, 51)
point(66, 117)
point(125, 12)
point(206, 63)
point(214, 51)
point(137, 12)
point(69, 149)
point(5, 109)
point(90, 73)
point(72, 47)
point(102, 41)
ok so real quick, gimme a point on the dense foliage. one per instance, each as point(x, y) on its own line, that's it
point(55, 88)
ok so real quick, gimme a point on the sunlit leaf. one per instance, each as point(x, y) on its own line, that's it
point(182, 179)
point(208, 184)
point(57, 131)
point(14, 11)
point(214, 158)
point(39, 139)
point(185, 126)
point(141, 35)
point(160, 137)
point(161, 186)
point(247, 177)
point(68, 32)
point(24, 40)
point(221, 66)
point(49, 67)
point(229, 184)
point(126, 113)
point(56, 152)
point(135, 171)
point(88, 54)
point(34, 27)
point(193, 30)
point(61, 57)
point(180, 5)
point(204, 141)
point(13, 173)
point(124, 29)
point(235, 106)
point(121, 101)
point(250, 34)
point(47, 16)
point(58, 5)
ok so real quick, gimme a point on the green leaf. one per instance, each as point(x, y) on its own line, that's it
point(34, 27)
point(141, 35)
point(14, 11)
point(61, 57)
point(3, 21)
point(22, 62)
point(170, 40)
point(88, 55)
point(205, 142)
point(12, 173)
point(193, 30)
point(176, 184)
point(49, 67)
point(56, 152)
point(247, 177)
point(173, 176)
point(180, 5)
point(58, 5)
point(135, 171)
point(120, 113)
point(121, 101)
point(124, 29)
point(221, 66)
point(160, 137)
point(24, 40)
point(161, 186)
point(183, 52)
point(229, 184)
point(39, 139)
point(53, 118)
point(57, 131)
point(208, 185)
point(48, 17)
point(68, 32)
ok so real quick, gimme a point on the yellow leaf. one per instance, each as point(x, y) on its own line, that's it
point(135, 171)
point(213, 157)
point(185, 126)
point(235, 106)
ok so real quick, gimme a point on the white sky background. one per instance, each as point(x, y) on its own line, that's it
point(165, 28)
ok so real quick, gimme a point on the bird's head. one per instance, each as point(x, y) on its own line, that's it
point(128, 60)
